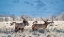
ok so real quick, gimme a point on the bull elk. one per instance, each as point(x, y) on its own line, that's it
point(43, 26)
point(20, 26)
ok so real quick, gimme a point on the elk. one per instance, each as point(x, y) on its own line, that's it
point(20, 26)
point(43, 26)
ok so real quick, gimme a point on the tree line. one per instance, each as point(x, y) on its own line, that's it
point(8, 17)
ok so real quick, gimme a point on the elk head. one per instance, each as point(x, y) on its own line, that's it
point(35, 22)
point(25, 22)
point(46, 22)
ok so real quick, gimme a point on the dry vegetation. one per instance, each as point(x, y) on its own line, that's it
point(55, 29)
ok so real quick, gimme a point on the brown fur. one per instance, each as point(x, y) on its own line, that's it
point(38, 26)
point(20, 26)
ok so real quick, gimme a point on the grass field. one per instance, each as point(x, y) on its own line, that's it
point(56, 30)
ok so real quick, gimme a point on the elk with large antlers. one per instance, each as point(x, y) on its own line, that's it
point(38, 26)
point(20, 26)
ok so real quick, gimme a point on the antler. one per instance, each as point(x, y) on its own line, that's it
point(42, 19)
point(23, 18)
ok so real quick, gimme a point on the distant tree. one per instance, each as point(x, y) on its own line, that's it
point(53, 17)
point(26, 17)
point(61, 17)
point(13, 17)
point(1, 19)
point(6, 19)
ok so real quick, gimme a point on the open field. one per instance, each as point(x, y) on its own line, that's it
point(56, 30)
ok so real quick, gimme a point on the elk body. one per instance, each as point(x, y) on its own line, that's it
point(43, 26)
point(20, 26)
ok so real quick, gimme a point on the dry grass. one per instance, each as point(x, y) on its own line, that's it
point(56, 30)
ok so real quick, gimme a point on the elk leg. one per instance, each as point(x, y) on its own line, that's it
point(16, 29)
point(33, 29)
point(36, 29)
point(22, 29)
